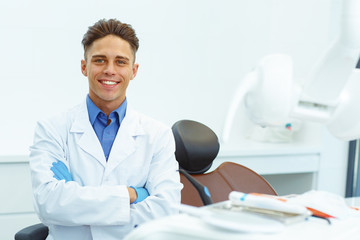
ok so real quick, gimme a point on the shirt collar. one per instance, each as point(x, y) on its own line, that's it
point(94, 110)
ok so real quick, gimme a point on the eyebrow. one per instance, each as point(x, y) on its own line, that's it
point(117, 57)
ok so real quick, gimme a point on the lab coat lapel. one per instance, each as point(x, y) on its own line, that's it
point(88, 141)
point(124, 143)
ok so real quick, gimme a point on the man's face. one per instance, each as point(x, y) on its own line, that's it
point(109, 66)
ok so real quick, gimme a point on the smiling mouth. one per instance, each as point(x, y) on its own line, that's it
point(108, 83)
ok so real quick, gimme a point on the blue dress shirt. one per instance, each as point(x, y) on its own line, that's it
point(104, 127)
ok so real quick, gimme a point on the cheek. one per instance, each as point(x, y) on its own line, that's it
point(91, 73)
point(125, 73)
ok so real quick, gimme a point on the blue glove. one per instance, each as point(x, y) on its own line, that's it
point(142, 193)
point(61, 172)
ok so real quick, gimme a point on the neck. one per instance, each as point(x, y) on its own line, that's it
point(107, 106)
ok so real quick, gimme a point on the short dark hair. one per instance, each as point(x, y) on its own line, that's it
point(104, 27)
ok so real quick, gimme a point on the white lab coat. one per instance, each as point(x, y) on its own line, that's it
point(96, 204)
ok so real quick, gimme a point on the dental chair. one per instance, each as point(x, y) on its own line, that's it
point(196, 148)
point(33, 232)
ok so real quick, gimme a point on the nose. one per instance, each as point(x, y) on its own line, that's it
point(109, 69)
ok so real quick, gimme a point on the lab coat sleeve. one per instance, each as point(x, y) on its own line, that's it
point(163, 183)
point(70, 204)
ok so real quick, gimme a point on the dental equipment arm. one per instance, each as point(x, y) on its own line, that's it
point(331, 96)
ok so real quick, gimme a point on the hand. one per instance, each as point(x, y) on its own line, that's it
point(141, 193)
point(60, 171)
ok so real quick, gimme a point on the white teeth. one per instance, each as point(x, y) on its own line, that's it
point(108, 82)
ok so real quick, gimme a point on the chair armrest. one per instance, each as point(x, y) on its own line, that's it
point(33, 232)
point(201, 189)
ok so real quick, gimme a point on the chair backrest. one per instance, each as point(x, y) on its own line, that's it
point(196, 148)
point(34, 232)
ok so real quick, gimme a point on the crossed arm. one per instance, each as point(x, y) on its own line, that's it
point(78, 203)
point(62, 173)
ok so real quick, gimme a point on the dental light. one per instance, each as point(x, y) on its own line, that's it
point(331, 96)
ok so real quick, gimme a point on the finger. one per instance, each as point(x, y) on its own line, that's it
point(64, 170)
point(62, 167)
point(57, 173)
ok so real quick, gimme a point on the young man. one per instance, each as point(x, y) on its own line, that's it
point(101, 168)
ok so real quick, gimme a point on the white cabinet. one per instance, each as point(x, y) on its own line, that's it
point(295, 167)
point(16, 205)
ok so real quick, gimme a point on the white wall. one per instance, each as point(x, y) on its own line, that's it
point(192, 54)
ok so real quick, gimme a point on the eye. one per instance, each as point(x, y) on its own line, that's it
point(120, 62)
point(99, 60)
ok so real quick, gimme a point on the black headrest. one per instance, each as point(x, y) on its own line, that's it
point(196, 146)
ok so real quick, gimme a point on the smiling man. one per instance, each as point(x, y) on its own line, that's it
point(101, 169)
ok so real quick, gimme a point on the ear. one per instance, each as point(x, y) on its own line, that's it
point(135, 69)
point(83, 68)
